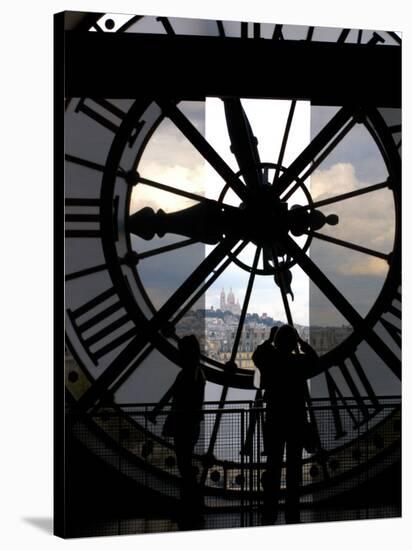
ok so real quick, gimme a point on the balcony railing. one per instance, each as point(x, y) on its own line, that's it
point(357, 441)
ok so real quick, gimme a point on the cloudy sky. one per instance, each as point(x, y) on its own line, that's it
point(366, 220)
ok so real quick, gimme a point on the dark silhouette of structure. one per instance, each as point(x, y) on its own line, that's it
point(284, 369)
point(183, 424)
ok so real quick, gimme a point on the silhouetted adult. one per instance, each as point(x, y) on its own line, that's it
point(183, 424)
point(283, 371)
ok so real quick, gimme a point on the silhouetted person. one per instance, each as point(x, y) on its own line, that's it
point(283, 372)
point(183, 424)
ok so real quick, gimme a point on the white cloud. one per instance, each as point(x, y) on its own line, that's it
point(366, 220)
point(369, 266)
point(340, 177)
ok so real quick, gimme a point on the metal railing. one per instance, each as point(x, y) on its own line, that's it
point(356, 441)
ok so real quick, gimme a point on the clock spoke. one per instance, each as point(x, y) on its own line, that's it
point(163, 249)
point(170, 189)
point(343, 306)
point(243, 142)
point(203, 146)
point(333, 128)
point(285, 139)
point(135, 178)
point(245, 305)
point(348, 244)
point(345, 196)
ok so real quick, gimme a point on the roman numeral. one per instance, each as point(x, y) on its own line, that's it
point(107, 115)
point(244, 30)
point(166, 24)
point(85, 218)
point(89, 323)
point(343, 36)
point(277, 33)
point(376, 38)
point(310, 34)
point(394, 308)
point(393, 330)
point(390, 352)
point(83, 215)
point(396, 131)
point(359, 407)
point(221, 28)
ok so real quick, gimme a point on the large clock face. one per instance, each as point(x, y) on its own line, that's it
point(145, 255)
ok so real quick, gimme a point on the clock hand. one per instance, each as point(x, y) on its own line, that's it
point(259, 221)
point(205, 222)
point(302, 221)
point(283, 282)
point(243, 142)
point(283, 276)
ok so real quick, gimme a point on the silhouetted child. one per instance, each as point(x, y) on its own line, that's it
point(283, 372)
